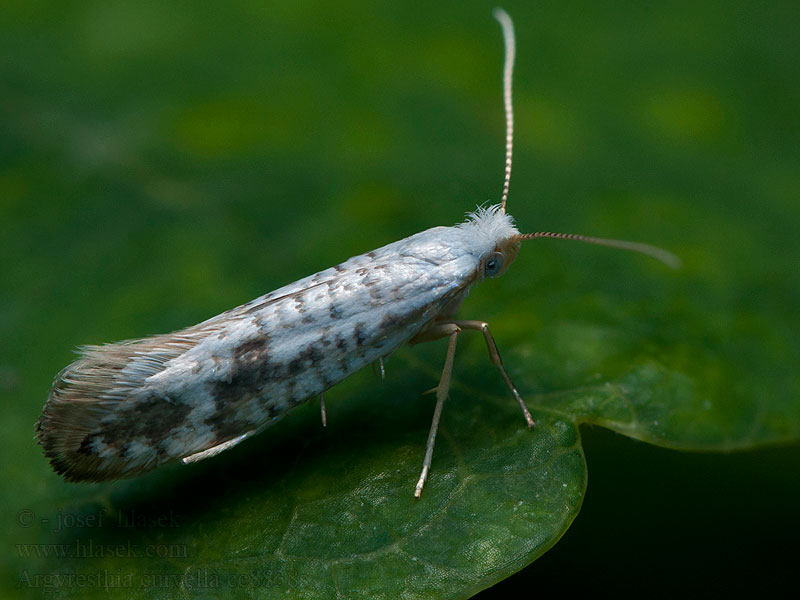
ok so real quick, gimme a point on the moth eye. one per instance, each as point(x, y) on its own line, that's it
point(493, 265)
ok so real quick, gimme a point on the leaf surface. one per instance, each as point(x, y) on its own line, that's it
point(174, 162)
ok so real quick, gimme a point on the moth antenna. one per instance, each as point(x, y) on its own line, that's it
point(510, 44)
point(666, 257)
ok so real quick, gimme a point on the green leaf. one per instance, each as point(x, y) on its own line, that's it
point(163, 164)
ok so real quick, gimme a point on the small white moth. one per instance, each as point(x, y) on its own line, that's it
point(125, 408)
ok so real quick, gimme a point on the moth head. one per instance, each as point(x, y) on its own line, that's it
point(490, 235)
point(498, 260)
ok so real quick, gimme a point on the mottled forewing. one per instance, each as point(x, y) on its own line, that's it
point(125, 408)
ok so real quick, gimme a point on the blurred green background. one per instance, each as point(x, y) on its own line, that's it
point(160, 163)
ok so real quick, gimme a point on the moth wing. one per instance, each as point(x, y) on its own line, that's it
point(99, 424)
point(96, 385)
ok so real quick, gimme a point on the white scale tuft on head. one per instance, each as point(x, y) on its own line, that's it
point(486, 227)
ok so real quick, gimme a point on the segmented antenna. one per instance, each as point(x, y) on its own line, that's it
point(668, 258)
point(508, 72)
point(509, 42)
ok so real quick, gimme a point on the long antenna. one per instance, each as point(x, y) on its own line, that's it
point(508, 72)
point(668, 258)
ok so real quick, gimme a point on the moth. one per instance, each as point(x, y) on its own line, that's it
point(125, 408)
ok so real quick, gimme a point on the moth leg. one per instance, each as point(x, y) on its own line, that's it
point(214, 450)
point(378, 368)
point(435, 332)
point(322, 409)
point(494, 354)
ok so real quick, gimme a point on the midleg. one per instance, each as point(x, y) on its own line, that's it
point(494, 354)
